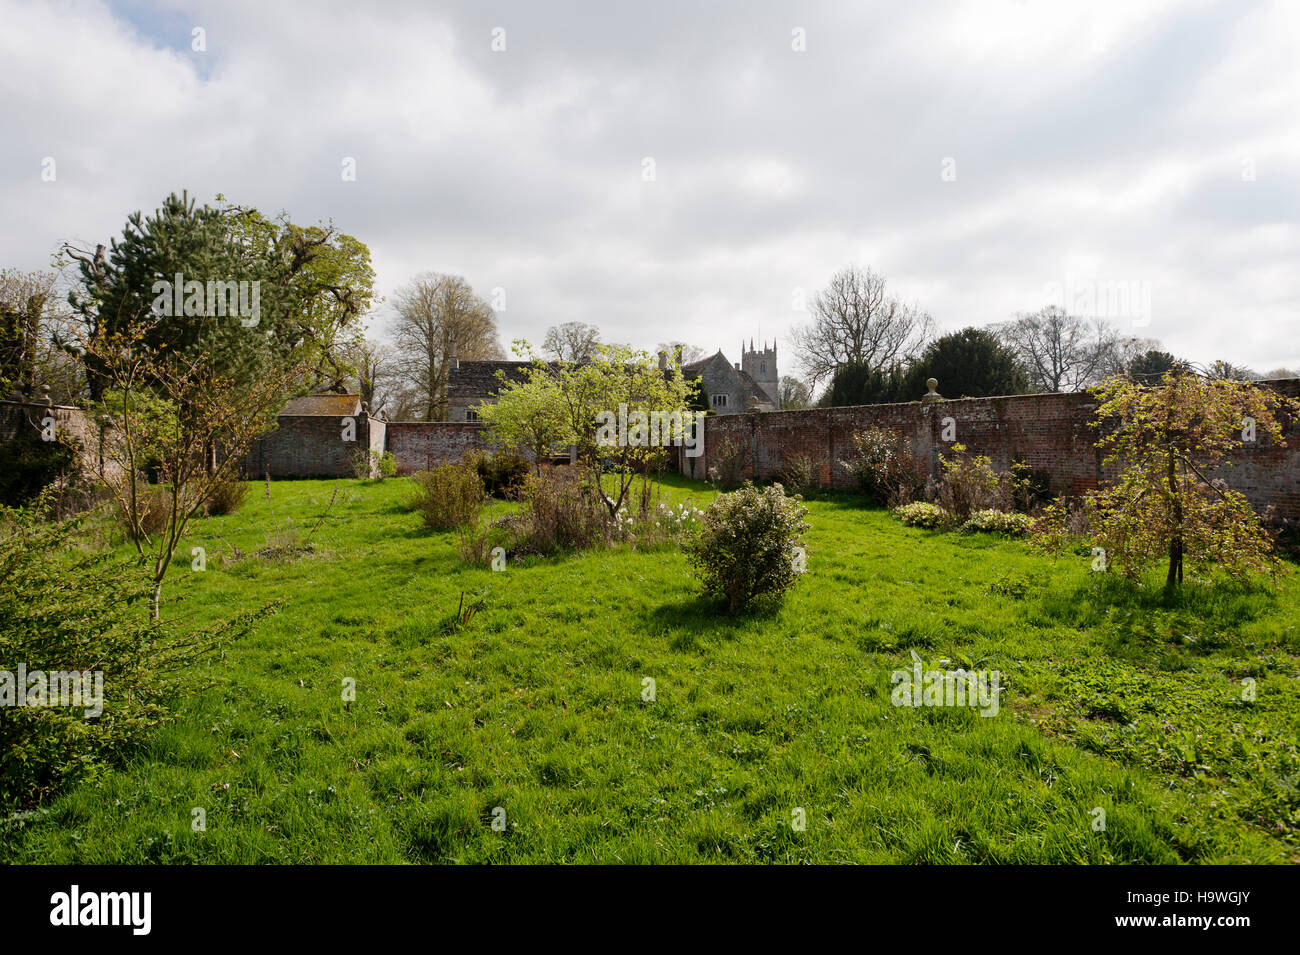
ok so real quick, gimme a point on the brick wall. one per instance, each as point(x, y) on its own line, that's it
point(311, 446)
point(1049, 432)
point(71, 425)
point(419, 444)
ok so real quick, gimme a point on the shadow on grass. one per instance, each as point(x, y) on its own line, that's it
point(695, 620)
point(1130, 614)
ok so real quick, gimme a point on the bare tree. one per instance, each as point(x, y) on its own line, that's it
point(682, 352)
point(571, 342)
point(438, 315)
point(1120, 357)
point(1060, 352)
point(857, 322)
point(794, 394)
point(373, 365)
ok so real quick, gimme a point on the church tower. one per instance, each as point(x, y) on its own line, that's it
point(761, 366)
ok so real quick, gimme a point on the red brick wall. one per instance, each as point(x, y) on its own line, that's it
point(1049, 432)
point(419, 444)
point(308, 446)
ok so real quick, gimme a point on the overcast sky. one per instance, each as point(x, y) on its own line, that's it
point(986, 157)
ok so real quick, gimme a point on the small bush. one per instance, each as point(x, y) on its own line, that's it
point(227, 496)
point(65, 611)
point(562, 512)
point(153, 506)
point(387, 464)
point(998, 522)
point(729, 460)
point(448, 496)
point(923, 514)
point(884, 467)
point(503, 474)
point(28, 465)
point(970, 484)
point(798, 472)
point(749, 545)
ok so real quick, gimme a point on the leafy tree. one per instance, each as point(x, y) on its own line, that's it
point(1151, 366)
point(528, 413)
point(1164, 444)
point(861, 385)
point(1227, 370)
point(971, 363)
point(304, 289)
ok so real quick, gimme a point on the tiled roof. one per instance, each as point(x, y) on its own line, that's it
point(325, 405)
point(474, 379)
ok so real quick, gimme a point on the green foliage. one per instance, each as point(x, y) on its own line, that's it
point(448, 496)
point(855, 384)
point(991, 521)
point(1164, 444)
point(971, 363)
point(503, 474)
point(924, 514)
point(749, 545)
point(969, 483)
point(563, 512)
point(387, 464)
point(28, 465)
point(883, 465)
point(64, 610)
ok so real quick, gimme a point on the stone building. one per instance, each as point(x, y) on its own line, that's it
point(732, 387)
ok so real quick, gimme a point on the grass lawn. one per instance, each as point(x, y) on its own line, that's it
point(1115, 699)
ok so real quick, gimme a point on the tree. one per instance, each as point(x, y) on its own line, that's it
point(1165, 443)
point(971, 363)
point(1226, 370)
point(861, 385)
point(173, 411)
point(1059, 352)
point(856, 322)
point(528, 412)
point(25, 298)
point(793, 394)
point(682, 353)
point(372, 366)
point(256, 292)
point(1150, 367)
point(1281, 373)
point(438, 316)
point(572, 341)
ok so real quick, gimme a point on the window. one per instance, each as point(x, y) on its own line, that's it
point(471, 414)
point(719, 401)
point(762, 367)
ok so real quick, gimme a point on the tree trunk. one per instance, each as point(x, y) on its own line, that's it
point(1175, 575)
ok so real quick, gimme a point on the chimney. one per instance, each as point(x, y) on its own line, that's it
point(663, 361)
point(455, 362)
point(737, 366)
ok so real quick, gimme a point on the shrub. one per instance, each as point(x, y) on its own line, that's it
point(503, 474)
point(66, 611)
point(884, 467)
point(362, 464)
point(28, 465)
point(387, 464)
point(970, 484)
point(227, 496)
point(729, 461)
point(923, 514)
point(998, 522)
point(153, 507)
point(798, 471)
point(749, 545)
point(562, 512)
point(448, 496)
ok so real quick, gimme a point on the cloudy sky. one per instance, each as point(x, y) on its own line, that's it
point(696, 170)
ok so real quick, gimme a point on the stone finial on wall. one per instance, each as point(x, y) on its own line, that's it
point(931, 396)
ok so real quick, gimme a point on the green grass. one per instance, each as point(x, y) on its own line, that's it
point(1116, 698)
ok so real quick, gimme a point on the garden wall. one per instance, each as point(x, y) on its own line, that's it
point(312, 446)
point(1052, 433)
